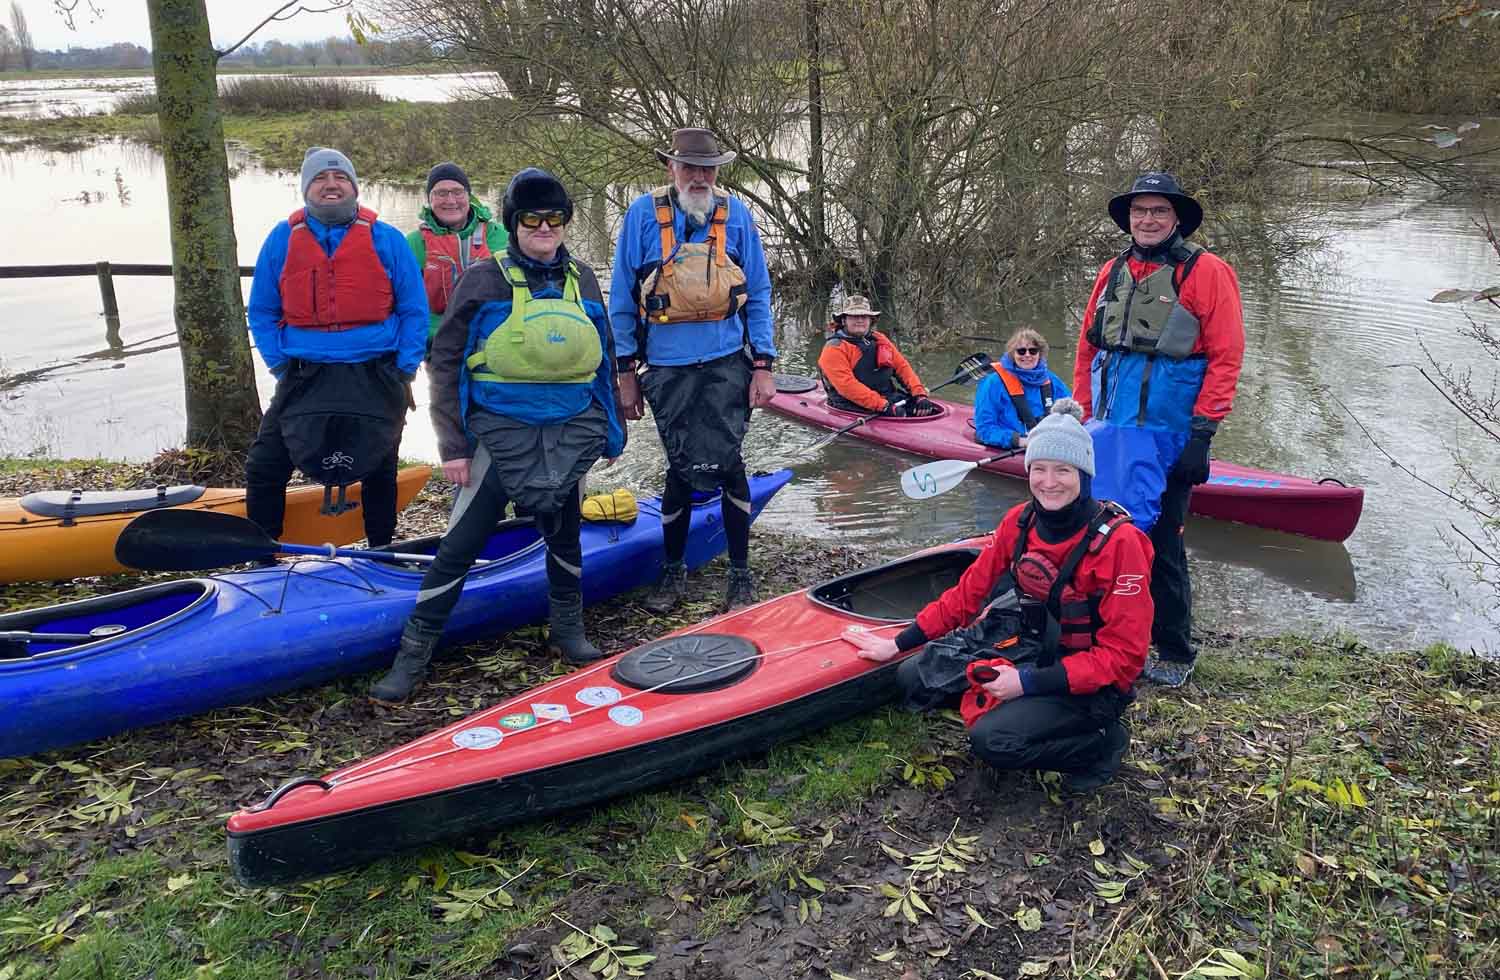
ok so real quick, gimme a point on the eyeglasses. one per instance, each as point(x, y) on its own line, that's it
point(532, 220)
point(450, 195)
point(1160, 211)
point(1027, 351)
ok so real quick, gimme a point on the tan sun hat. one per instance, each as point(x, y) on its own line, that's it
point(858, 305)
point(696, 147)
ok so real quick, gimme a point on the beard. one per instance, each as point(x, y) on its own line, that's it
point(697, 205)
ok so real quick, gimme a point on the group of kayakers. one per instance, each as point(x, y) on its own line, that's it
point(533, 380)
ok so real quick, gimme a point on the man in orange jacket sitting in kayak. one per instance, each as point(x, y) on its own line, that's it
point(861, 367)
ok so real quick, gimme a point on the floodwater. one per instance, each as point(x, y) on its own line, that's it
point(1344, 323)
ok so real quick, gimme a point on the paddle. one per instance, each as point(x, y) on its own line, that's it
point(931, 479)
point(971, 368)
point(196, 540)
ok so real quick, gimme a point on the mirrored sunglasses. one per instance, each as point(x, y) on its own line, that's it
point(534, 219)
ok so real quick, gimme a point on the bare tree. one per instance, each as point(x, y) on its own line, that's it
point(22, 35)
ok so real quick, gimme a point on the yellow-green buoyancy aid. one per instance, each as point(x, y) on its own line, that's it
point(1147, 316)
point(543, 340)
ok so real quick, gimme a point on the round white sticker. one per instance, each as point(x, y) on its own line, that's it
point(483, 737)
point(595, 696)
point(626, 715)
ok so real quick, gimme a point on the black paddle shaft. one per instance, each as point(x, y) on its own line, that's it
point(191, 541)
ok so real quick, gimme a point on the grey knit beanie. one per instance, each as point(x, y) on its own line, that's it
point(1062, 438)
point(321, 158)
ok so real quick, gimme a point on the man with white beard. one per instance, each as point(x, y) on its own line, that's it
point(699, 324)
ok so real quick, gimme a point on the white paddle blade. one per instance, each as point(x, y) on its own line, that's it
point(932, 479)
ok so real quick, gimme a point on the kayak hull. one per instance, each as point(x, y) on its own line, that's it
point(1322, 509)
point(601, 731)
point(46, 549)
point(184, 647)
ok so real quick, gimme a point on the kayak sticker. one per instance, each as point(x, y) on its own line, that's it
point(552, 712)
point(482, 737)
point(596, 696)
point(627, 715)
point(517, 721)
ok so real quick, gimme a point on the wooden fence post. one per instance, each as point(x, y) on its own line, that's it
point(111, 305)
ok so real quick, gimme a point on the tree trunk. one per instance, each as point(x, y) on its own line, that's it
point(223, 410)
point(818, 233)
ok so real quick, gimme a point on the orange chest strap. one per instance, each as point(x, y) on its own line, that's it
point(717, 233)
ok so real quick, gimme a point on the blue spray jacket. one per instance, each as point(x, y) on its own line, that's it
point(996, 421)
point(639, 249)
point(404, 331)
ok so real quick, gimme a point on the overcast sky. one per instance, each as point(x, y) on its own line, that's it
point(125, 20)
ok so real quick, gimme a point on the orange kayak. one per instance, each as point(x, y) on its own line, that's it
point(57, 534)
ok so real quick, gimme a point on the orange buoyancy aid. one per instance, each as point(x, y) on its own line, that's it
point(696, 282)
point(447, 259)
point(347, 289)
point(1017, 392)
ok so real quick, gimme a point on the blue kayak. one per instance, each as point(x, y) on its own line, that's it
point(163, 651)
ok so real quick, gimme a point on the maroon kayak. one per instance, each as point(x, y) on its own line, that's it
point(1325, 509)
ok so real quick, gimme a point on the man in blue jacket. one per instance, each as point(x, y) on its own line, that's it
point(339, 315)
point(699, 323)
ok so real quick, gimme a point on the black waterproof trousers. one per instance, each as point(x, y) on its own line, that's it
point(1054, 732)
point(1171, 591)
point(268, 467)
point(702, 413)
point(479, 508)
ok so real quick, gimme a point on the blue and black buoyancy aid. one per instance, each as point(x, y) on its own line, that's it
point(1145, 372)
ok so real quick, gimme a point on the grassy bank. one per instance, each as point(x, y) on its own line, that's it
point(1307, 808)
point(396, 141)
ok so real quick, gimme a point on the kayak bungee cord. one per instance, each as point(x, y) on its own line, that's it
point(377, 769)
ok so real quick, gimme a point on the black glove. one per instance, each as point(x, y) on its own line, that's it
point(922, 405)
point(895, 409)
point(1192, 466)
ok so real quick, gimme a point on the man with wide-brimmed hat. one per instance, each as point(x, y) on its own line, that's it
point(690, 304)
point(862, 368)
point(1158, 361)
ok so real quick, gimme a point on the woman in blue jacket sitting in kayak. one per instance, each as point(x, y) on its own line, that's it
point(1018, 395)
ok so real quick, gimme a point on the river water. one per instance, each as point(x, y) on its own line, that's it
point(1336, 325)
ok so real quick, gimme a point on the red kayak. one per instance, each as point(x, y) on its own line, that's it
point(1325, 509)
point(728, 687)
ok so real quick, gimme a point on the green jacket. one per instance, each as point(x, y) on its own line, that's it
point(495, 237)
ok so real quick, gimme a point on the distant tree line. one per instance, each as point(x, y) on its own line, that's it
point(17, 53)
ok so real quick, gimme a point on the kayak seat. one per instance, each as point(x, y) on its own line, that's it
point(897, 591)
point(68, 504)
point(687, 664)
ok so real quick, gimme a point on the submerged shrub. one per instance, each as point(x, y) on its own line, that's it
point(136, 104)
point(285, 93)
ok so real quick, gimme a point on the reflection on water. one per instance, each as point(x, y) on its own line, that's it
point(1326, 329)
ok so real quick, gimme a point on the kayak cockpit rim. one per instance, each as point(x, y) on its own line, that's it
point(107, 619)
point(897, 591)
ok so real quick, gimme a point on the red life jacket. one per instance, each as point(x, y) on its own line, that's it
point(446, 261)
point(1017, 392)
point(347, 289)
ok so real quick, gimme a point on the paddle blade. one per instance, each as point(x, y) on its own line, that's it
point(190, 541)
point(931, 479)
point(974, 367)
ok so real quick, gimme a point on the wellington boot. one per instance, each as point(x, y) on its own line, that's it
point(1101, 772)
point(417, 646)
point(739, 589)
point(565, 629)
point(667, 592)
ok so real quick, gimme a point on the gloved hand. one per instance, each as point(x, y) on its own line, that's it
point(1192, 466)
point(895, 408)
point(922, 405)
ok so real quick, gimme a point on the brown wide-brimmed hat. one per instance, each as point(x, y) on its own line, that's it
point(857, 305)
point(696, 147)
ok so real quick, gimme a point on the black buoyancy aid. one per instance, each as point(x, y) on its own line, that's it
point(1075, 613)
point(1147, 317)
point(867, 370)
point(1017, 392)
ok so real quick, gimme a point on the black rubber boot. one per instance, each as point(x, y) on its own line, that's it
point(739, 590)
point(667, 592)
point(1101, 772)
point(565, 629)
point(417, 646)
